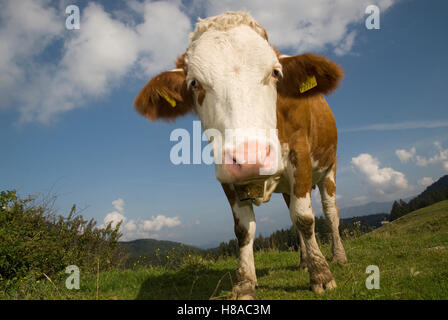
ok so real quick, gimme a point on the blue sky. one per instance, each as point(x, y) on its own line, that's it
point(68, 127)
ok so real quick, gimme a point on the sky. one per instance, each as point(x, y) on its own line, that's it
point(68, 127)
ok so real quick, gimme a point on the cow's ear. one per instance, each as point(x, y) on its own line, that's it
point(308, 74)
point(165, 97)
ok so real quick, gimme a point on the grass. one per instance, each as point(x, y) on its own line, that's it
point(411, 253)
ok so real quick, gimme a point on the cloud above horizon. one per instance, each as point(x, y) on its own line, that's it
point(441, 157)
point(405, 155)
point(426, 181)
point(302, 25)
point(385, 182)
point(94, 59)
point(139, 228)
point(139, 40)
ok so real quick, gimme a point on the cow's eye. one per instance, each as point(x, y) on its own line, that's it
point(277, 73)
point(194, 84)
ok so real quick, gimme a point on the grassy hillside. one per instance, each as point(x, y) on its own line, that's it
point(411, 253)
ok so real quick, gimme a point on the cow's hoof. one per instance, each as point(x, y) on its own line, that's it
point(320, 287)
point(243, 291)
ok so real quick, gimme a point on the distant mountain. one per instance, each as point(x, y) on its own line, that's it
point(365, 209)
point(371, 220)
point(209, 245)
point(155, 252)
point(437, 189)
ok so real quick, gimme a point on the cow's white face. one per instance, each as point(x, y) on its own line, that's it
point(233, 75)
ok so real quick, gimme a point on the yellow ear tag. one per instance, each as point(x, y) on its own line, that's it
point(170, 100)
point(309, 84)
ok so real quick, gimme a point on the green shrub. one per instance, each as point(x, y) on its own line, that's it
point(34, 240)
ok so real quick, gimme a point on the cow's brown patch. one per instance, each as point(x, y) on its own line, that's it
point(200, 92)
point(330, 187)
point(298, 69)
point(165, 97)
point(307, 125)
point(230, 193)
point(292, 158)
point(180, 63)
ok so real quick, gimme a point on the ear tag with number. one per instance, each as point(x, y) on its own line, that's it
point(309, 84)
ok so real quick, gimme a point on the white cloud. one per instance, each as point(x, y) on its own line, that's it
point(266, 220)
point(383, 181)
point(26, 29)
point(119, 205)
point(388, 184)
point(304, 25)
point(138, 40)
point(130, 227)
point(425, 181)
point(346, 44)
point(440, 157)
point(94, 59)
point(157, 223)
point(162, 36)
point(114, 218)
point(406, 125)
point(139, 228)
point(404, 155)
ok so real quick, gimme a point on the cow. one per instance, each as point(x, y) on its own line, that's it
point(232, 77)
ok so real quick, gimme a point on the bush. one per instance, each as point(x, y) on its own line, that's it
point(34, 240)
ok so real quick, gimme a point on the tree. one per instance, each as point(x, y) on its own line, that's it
point(395, 213)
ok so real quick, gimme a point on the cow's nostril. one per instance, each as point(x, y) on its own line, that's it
point(236, 163)
point(268, 150)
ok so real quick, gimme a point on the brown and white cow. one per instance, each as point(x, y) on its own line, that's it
point(233, 78)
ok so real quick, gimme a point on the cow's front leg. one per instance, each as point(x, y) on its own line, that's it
point(301, 212)
point(244, 219)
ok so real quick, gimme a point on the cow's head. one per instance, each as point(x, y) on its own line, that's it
point(230, 75)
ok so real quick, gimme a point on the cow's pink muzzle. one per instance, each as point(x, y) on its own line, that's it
point(250, 160)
